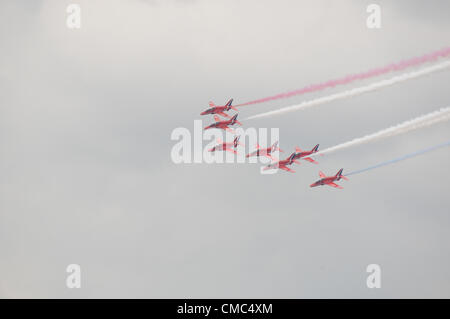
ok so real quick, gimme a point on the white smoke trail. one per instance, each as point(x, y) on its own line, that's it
point(425, 120)
point(356, 91)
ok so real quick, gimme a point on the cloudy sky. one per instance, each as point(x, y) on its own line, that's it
point(87, 178)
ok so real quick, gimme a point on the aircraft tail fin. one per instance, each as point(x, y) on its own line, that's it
point(236, 141)
point(315, 148)
point(275, 147)
point(229, 106)
point(291, 158)
point(234, 120)
point(339, 175)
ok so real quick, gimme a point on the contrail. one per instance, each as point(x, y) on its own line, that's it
point(402, 158)
point(360, 76)
point(356, 91)
point(422, 121)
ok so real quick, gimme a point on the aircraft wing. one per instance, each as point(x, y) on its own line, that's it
point(335, 185)
point(224, 114)
point(287, 169)
point(309, 159)
point(322, 175)
point(216, 118)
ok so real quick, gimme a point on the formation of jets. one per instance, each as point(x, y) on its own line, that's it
point(295, 157)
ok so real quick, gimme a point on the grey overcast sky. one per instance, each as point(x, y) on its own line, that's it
point(87, 177)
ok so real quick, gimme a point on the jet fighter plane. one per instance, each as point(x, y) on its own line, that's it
point(283, 164)
point(303, 154)
point(265, 151)
point(329, 180)
point(224, 124)
point(230, 146)
point(215, 109)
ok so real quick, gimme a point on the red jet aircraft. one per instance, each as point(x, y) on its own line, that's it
point(329, 180)
point(223, 124)
point(301, 154)
point(230, 146)
point(265, 151)
point(283, 164)
point(215, 109)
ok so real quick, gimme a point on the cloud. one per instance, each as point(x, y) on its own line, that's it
point(87, 176)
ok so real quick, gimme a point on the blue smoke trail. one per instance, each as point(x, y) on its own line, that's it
point(400, 158)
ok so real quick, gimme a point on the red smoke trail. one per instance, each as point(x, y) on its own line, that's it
point(360, 76)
